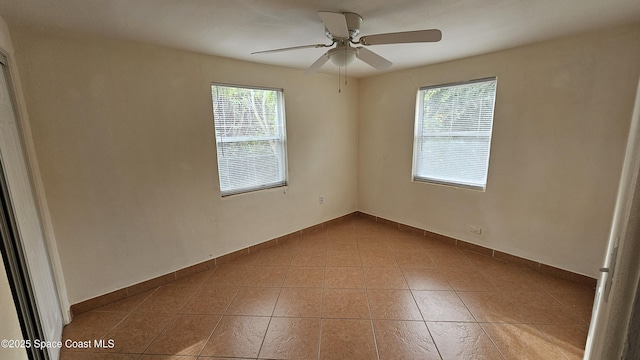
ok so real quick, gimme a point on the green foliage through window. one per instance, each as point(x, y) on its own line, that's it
point(250, 138)
point(453, 133)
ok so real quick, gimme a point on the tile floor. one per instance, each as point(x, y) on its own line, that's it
point(358, 290)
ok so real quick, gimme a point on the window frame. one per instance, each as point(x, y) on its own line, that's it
point(280, 106)
point(417, 139)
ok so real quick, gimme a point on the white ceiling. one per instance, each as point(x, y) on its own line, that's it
point(235, 28)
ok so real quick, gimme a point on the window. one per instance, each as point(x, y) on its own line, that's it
point(453, 133)
point(250, 138)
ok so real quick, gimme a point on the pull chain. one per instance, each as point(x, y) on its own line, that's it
point(340, 79)
point(346, 77)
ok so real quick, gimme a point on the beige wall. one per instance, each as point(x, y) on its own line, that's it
point(124, 137)
point(562, 115)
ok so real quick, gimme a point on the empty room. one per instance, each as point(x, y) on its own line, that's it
point(319, 179)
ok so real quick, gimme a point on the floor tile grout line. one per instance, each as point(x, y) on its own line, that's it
point(424, 321)
point(373, 329)
point(491, 339)
point(324, 282)
point(264, 337)
point(480, 325)
point(129, 313)
point(550, 340)
point(210, 335)
point(158, 334)
point(224, 313)
point(145, 299)
point(193, 292)
point(465, 304)
point(119, 322)
point(126, 311)
point(529, 320)
point(319, 341)
point(415, 303)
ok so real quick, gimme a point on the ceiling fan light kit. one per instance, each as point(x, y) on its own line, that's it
point(342, 27)
point(342, 56)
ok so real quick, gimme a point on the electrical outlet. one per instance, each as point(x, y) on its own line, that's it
point(321, 199)
point(474, 229)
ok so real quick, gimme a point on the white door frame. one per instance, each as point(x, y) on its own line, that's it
point(618, 283)
point(20, 109)
point(27, 211)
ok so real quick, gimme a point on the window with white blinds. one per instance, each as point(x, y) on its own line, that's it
point(250, 138)
point(453, 133)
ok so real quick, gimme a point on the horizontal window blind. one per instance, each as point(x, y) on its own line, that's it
point(453, 133)
point(250, 138)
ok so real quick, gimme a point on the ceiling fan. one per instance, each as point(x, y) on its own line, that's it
point(342, 27)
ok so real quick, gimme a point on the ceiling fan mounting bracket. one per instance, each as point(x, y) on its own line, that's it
point(353, 24)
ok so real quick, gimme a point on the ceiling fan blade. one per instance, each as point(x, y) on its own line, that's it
point(336, 23)
point(317, 64)
point(290, 48)
point(432, 35)
point(373, 59)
